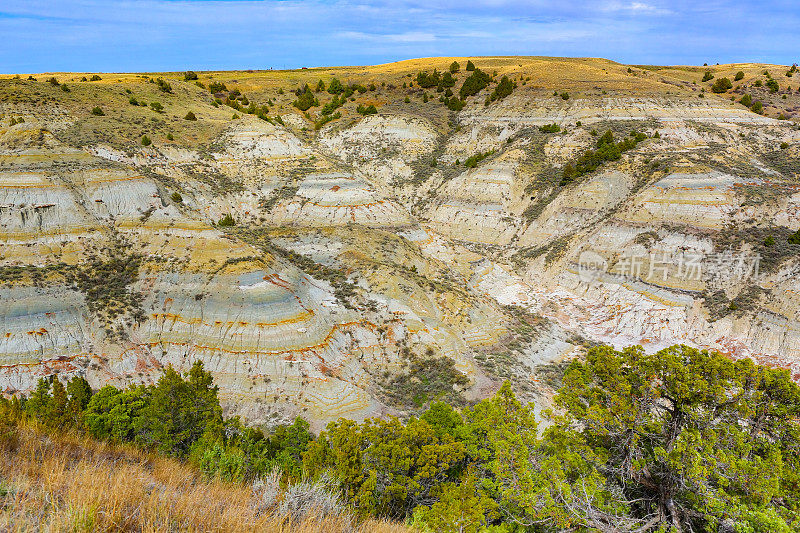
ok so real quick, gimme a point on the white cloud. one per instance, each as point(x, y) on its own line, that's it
point(635, 7)
point(406, 37)
point(411, 37)
point(640, 6)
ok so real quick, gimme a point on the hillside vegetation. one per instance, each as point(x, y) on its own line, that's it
point(681, 440)
point(63, 480)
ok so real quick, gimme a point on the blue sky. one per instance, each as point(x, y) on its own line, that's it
point(140, 35)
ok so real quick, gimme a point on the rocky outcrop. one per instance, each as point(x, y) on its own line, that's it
point(360, 248)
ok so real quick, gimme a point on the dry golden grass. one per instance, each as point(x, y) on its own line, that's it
point(73, 483)
point(549, 72)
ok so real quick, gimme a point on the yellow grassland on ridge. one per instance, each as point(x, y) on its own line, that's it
point(549, 72)
point(124, 123)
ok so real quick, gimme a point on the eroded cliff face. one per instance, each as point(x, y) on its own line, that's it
point(368, 245)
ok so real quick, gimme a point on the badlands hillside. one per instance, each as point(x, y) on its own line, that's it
point(393, 243)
